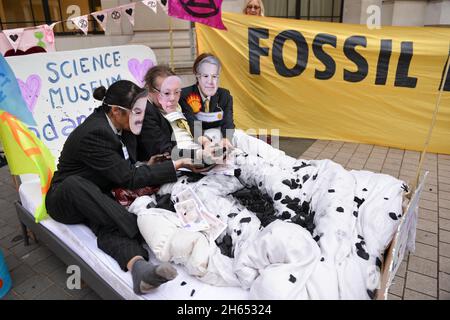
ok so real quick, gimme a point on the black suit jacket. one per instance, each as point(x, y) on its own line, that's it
point(221, 101)
point(93, 151)
point(156, 134)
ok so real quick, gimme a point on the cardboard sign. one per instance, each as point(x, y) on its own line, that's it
point(58, 87)
point(404, 240)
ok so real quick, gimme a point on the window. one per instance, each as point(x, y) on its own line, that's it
point(29, 13)
point(319, 10)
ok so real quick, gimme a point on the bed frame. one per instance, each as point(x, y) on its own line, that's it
point(62, 251)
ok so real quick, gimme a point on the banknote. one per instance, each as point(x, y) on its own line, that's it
point(216, 226)
point(190, 215)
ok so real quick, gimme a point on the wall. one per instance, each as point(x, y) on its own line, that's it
point(400, 12)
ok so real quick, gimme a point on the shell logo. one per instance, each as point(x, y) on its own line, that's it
point(195, 102)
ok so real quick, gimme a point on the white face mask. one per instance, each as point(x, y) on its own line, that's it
point(170, 93)
point(137, 112)
point(208, 79)
point(137, 115)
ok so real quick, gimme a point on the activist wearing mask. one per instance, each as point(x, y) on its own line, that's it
point(165, 130)
point(134, 113)
point(98, 156)
point(207, 105)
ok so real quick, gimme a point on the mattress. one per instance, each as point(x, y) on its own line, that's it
point(83, 242)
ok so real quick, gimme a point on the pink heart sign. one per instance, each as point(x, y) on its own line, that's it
point(139, 69)
point(30, 90)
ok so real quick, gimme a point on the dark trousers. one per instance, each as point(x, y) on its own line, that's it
point(77, 200)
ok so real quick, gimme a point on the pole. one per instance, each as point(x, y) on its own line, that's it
point(171, 44)
point(433, 122)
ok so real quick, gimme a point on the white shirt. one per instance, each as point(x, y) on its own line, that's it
point(118, 132)
point(203, 97)
point(114, 129)
point(183, 137)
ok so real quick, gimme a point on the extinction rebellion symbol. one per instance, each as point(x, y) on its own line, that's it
point(200, 9)
point(82, 23)
point(115, 15)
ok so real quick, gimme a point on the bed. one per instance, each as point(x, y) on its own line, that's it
point(77, 245)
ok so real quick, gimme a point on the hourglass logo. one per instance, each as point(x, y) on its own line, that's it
point(200, 9)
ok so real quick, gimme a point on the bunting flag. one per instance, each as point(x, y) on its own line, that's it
point(23, 150)
point(101, 17)
point(14, 36)
point(128, 11)
point(48, 31)
point(208, 12)
point(152, 4)
point(164, 5)
point(81, 23)
point(115, 15)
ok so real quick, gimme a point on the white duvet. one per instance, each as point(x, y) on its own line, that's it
point(328, 243)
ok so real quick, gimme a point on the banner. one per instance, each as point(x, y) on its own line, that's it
point(26, 154)
point(208, 12)
point(11, 99)
point(24, 151)
point(334, 81)
point(57, 87)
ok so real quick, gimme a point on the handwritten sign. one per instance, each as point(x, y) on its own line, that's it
point(58, 87)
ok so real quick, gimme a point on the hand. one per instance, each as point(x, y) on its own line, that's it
point(227, 144)
point(157, 158)
point(211, 154)
point(204, 141)
point(188, 163)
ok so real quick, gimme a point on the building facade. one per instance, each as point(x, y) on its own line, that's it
point(153, 29)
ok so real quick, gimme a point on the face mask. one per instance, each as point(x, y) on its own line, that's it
point(137, 115)
point(170, 93)
point(208, 79)
point(137, 112)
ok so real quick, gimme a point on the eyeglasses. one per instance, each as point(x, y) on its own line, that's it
point(166, 94)
point(205, 76)
point(253, 7)
point(135, 112)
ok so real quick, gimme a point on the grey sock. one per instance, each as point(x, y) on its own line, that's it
point(147, 276)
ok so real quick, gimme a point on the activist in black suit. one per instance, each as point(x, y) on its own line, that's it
point(98, 156)
point(156, 134)
point(207, 98)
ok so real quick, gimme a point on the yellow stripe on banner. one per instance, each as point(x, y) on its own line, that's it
point(334, 81)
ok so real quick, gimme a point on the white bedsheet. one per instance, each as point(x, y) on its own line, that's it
point(82, 241)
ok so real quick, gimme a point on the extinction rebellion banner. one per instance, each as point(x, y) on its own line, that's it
point(334, 81)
